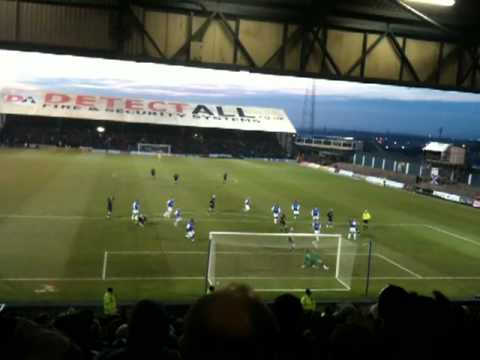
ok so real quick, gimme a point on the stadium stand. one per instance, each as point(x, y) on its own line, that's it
point(31, 131)
point(399, 325)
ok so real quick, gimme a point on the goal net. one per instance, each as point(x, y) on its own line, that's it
point(154, 148)
point(267, 262)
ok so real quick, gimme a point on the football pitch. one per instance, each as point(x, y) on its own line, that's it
point(58, 246)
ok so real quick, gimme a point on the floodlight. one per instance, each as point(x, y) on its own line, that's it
point(433, 2)
point(100, 129)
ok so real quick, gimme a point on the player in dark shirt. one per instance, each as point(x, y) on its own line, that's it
point(153, 172)
point(287, 230)
point(109, 207)
point(142, 219)
point(175, 178)
point(225, 177)
point(212, 203)
point(283, 222)
point(330, 218)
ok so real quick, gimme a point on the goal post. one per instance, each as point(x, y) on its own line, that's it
point(270, 262)
point(154, 148)
point(210, 275)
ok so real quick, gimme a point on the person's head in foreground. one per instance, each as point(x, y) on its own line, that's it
point(231, 323)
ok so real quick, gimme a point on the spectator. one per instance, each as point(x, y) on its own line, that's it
point(352, 341)
point(288, 311)
point(82, 328)
point(149, 335)
point(231, 323)
point(292, 343)
point(24, 340)
point(149, 329)
point(307, 301)
point(110, 303)
point(121, 336)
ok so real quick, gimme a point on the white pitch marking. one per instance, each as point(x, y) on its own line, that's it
point(104, 269)
point(347, 287)
point(268, 277)
point(148, 278)
point(219, 233)
point(159, 217)
point(460, 237)
point(160, 252)
point(140, 278)
point(298, 290)
point(398, 265)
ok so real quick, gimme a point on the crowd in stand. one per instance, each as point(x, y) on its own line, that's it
point(234, 323)
point(25, 131)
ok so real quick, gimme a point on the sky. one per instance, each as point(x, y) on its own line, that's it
point(339, 104)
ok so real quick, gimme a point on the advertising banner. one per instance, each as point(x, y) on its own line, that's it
point(394, 184)
point(375, 180)
point(141, 110)
point(447, 196)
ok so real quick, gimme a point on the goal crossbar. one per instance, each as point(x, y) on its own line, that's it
point(227, 233)
point(166, 148)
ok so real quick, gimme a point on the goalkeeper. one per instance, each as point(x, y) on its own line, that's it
point(312, 260)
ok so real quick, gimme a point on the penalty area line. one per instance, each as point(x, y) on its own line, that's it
point(169, 278)
point(249, 253)
point(398, 265)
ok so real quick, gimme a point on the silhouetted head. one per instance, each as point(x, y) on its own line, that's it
point(148, 328)
point(289, 313)
point(231, 323)
point(392, 302)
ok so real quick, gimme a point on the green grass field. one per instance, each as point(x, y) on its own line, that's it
point(55, 237)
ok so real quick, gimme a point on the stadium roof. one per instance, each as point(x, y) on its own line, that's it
point(436, 147)
point(133, 92)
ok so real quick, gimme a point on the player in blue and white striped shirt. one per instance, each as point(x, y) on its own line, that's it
point(135, 210)
point(190, 230)
point(296, 209)
point(315, 214)
point(352, 230)
point(170, 206)
point(178, 217)
point(317, 228)
point(276, 211)
point(247, 205)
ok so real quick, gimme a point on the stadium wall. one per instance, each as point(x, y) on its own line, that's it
point(88, 149)
point(459, 199)
point(412, 168)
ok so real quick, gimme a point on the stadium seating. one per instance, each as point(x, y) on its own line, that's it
point(21, 130)
point(234, 323)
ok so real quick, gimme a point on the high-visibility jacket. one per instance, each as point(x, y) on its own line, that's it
point(109, 304)
point(366, 215)
point(308, 303)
